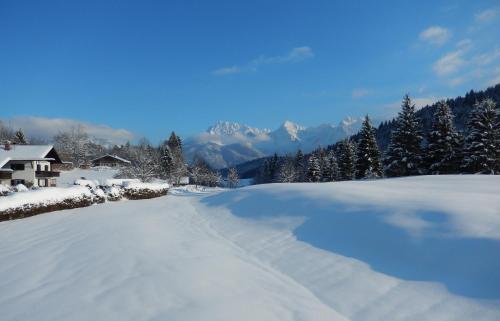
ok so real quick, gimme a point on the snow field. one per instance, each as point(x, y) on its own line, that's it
point(420, 248)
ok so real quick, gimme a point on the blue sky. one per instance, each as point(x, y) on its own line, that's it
point(156, 66)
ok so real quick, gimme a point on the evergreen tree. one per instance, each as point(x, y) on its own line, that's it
point(272, 169)
point(179, 168)
point(287, 172)
point(20, 138)
point(404, 154)
point(167, 162)
point(313, 168)
point(334, 167)
point(482, 143)
point(444, 143)
point(346, 160)
point(326, 169)
point(368, 154)
point(299, 166)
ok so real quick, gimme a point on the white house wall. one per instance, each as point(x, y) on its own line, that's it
point(28, 174)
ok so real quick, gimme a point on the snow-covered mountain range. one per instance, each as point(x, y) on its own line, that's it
point(229, 143)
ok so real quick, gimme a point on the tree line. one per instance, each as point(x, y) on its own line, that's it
point(443, 150)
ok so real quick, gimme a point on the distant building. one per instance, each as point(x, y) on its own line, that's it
point(30, 165)
point(110, 161)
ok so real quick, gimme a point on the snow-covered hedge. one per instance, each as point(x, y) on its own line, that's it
point(25, 204)
point(84, 193)
point(4, 190)
point(137, 190)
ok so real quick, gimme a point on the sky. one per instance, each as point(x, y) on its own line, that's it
point(151, 67)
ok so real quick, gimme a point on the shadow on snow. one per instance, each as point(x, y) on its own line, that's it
point(466, 266)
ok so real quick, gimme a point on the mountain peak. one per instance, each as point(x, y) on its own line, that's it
point(227, 128)
point(224, 128)
point(289, 129)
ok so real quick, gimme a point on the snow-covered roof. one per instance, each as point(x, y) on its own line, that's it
point(112, 156)
point(25, 152)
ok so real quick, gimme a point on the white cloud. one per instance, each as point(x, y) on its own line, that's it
point(419, 102)
point(295, 55)
point(487, 57)
point(449, 63)
point(495, 77)
point(486, 15)
point(227, 71)
point(361, 92)
point(456, 81)
point(424, 101)
point(46, 128)
point(494, 81)
point(464, 44)
point(435, 35)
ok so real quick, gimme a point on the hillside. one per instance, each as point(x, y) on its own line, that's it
point(460, 106)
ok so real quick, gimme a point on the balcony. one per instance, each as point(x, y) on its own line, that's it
point(46, 174)
point(5, 175)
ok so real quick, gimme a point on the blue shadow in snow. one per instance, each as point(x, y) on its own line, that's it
point(466, 266)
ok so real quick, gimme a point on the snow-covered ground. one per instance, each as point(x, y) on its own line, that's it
point(422, 248)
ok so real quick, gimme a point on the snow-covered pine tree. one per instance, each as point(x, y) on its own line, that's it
point(368, 154)
point(326, 168)
point(334, 167)
point(443, 154)
point(313, 168)
point(287, 172)
point(482, 143)
point(404, 154)
point(299, 166)
point(346, 160)
point(179, 168)
point(167, 162)
point(271, 171)
point(20, 138)
point(233, 178)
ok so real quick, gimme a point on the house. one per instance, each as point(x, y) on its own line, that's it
point(30, 165)
point(110, 161)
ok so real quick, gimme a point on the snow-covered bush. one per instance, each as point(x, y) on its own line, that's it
point(93, 186)
point(4, 190)
point(20, 188)
point(86, 182)
point(113, 193)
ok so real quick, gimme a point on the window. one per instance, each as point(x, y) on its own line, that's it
point(17, 167)
point(38, 167)
point(15, 182)
point(46, 168)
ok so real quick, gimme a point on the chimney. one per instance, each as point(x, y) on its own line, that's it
point(7, 145)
